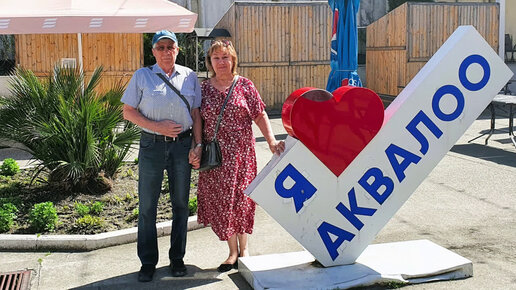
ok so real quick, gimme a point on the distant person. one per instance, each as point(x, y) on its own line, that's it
point(221, 200)
point(168, 122)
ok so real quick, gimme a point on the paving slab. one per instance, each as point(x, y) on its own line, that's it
point(467, 205)
point(403, 262)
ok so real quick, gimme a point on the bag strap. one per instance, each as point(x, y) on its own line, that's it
point(173, 88)
point(223, 106)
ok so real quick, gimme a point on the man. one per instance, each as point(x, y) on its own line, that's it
point(166, 144)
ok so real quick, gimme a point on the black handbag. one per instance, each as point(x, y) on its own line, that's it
point(211, 155)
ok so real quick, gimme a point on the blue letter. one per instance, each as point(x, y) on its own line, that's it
point(350, 215)
point(392, 151)
point(454, 91)
point(475, 58)
point(324, 229)
point(422, 118)
point(301, 191)
point(378, 181)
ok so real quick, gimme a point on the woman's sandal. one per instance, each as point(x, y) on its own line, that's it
point(226, 267)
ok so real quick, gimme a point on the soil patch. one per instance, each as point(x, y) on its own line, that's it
point(119, 206)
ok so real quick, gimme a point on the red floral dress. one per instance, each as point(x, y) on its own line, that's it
point(220, 191)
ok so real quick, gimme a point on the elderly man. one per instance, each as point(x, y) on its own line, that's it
point(164, 101)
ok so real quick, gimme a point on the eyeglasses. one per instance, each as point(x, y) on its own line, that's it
point(162, 48)
point(223, 42)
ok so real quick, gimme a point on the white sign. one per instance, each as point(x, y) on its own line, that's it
point(336, 218)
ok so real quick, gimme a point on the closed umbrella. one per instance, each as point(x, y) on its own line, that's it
point(344, 44)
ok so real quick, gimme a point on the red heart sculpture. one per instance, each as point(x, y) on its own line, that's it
point(334, 127)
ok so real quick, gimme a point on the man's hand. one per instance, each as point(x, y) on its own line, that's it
point(168, 128)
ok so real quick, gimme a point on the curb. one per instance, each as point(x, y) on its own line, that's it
point(82, 243)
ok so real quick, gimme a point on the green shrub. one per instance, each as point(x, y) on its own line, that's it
point(81, 209)
point(165, 186)
point(43, 216)
point(7, 216)
point(94, 208)
point(133, 216)
point(97, 207)
point(89, 222)
point(78, 134)
point(9, 167)
point(192, 205)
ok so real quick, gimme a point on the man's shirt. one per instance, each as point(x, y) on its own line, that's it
point(155, 100)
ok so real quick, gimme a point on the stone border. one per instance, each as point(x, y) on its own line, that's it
point(80, 243)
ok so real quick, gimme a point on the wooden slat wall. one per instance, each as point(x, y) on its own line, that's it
point(400, 43)
point(389, 31)
point(386, 46)
point(281, 47)
point(431, 24)
point(119, 54)
point(39, 52)
point(386, 80)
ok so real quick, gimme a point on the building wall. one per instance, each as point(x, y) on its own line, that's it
point(281, 46)
point(400, 43)
point(510, 11)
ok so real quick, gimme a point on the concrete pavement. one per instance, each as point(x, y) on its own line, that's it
point(467, 204)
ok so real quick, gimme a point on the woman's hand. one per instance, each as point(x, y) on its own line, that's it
point(277, 147)
point(194, 157)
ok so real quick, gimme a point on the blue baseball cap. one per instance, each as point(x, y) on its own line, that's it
point(163, 34)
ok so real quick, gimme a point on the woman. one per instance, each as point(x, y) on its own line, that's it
point(221, 200)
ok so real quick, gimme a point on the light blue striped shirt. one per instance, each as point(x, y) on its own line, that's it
point(155, 100)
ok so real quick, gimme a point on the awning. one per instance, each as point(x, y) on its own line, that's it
point(93, 16)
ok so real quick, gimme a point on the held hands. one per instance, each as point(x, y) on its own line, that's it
point(194, 157)
point(277, 147)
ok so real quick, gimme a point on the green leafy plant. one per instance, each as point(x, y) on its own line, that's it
point(89, 222)
point(81, 209)
point(165, 186)
point(43, 216)
point(7, 216)
point(192, 205)
point(9, 167)
point(78, 134)
point(97, 207)
point(93, 208)
point(133, 215)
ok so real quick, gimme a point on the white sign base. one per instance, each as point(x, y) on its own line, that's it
point(407, 262)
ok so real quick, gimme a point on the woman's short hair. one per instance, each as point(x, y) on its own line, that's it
point(222, 44)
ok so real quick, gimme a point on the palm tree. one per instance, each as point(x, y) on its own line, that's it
point(78, 136)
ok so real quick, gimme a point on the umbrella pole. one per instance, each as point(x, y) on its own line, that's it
point(501, 28)
point(79, 49)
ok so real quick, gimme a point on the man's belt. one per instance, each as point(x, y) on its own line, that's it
point(163, 138)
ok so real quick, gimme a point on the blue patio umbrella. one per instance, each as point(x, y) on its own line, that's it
point(344, 44)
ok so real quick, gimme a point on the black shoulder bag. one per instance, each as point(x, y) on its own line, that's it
point(211, 154)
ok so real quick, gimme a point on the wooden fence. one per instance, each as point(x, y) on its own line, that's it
point(281, 46)
point(400, 43)
point(119, 53)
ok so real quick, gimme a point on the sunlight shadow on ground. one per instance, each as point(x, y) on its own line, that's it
point(162, 280)
point(487, 153)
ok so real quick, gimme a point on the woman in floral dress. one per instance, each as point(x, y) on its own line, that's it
point(221, 200)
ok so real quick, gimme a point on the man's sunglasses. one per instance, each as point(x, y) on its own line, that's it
point(162, 48)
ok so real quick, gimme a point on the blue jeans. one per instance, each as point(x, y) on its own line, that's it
point(155, 157)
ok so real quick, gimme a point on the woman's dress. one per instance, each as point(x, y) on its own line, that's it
point(220, 197)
